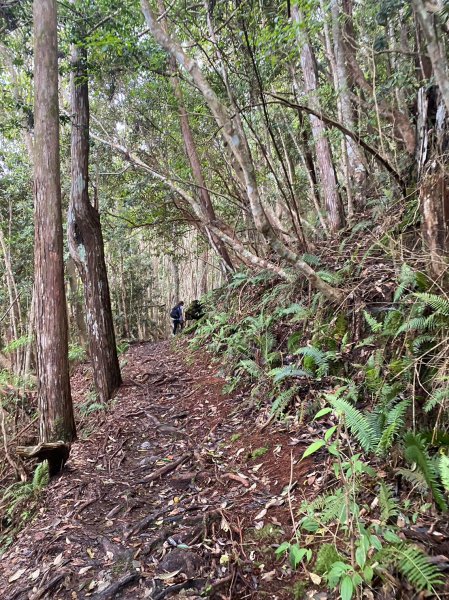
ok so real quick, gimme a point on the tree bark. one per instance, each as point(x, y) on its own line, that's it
point(332, 199)
point(437, 57)
point(54, 397)
point(356, 160)
point(432, 165)
point(86, 241)
point(76, 304)
point(195, 165)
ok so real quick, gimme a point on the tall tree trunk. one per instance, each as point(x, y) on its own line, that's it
point(54, 397)
point(433, 138)
point(332, 199)
point(195, 165)
point(76, 304)
point(436, 54)
point(86, 241)
point(356, 160)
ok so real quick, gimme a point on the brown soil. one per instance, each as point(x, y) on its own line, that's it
point(122, 521)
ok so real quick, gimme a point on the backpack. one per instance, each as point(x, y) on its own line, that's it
point(174, 313)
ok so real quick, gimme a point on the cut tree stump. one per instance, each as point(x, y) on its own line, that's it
point(56, 453)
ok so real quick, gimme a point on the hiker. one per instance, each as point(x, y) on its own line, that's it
point(177, 314)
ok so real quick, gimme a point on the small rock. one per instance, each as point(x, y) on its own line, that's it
point(145, 446)
point(184, 561)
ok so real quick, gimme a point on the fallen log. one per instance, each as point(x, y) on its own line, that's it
point(56, 453)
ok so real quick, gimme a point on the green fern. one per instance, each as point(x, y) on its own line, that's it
point(282, 400)
point(407, 281)
point(329, 277)
point(311, 259)
point(439, 304)
point(280, 373)
point(355, 420)
point(250, 367)
point(415, 451)
point(414, 565)
point(294, 341)
point(419, 341)
point(327, 507)
point(437, 398)
point(443, 468)
point(415, 478)
point(375, 326)
point(20, 492)
point(388, 505)
point(41, 476)
point(415, 324)
point(315, 359)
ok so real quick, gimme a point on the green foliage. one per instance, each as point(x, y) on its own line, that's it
point(280, 373)
point(439, 304)
point(414, 566)
point(20, 493)
point(77, 353)
point(438, 398)
point(258, 453)
point(376, 327)
point(17, 344)
point(316, 361)
point(282, 400)
point(407, 282)
point(415, 451)
point(388, 504)
point(326, 556)
point(355, 420)
point(122, 348)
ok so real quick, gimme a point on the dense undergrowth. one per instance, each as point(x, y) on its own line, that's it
point(369, 379)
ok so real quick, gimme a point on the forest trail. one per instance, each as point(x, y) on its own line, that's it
point(170, 494)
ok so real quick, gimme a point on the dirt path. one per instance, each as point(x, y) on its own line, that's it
point(167, 497)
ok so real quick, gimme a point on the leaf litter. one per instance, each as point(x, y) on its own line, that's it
point(161, 498)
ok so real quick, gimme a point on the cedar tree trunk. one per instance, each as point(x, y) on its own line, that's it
point(86, 241)
point(55, 402)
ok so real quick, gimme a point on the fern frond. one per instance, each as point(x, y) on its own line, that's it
point(388, 505)
point(280, 373)
point(356, 422)
point(250, 367)
point(294, 341)
point(267, 342)
point(41, 476)
point(443, 468)
point(415, 451)
point(282, 400)
point(311, 259)
point(387, 438)
point(415, 478)
point(439, 304)
point(436, 399)
point(397, 413)
point(414, 565)
point(407, 281)
point(329, 277)
point(419, 341)
point(415, 324)
point(375, 326)
point(327, 506)
point(318, 357)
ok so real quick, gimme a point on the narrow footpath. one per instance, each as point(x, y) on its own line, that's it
point(176, 491)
